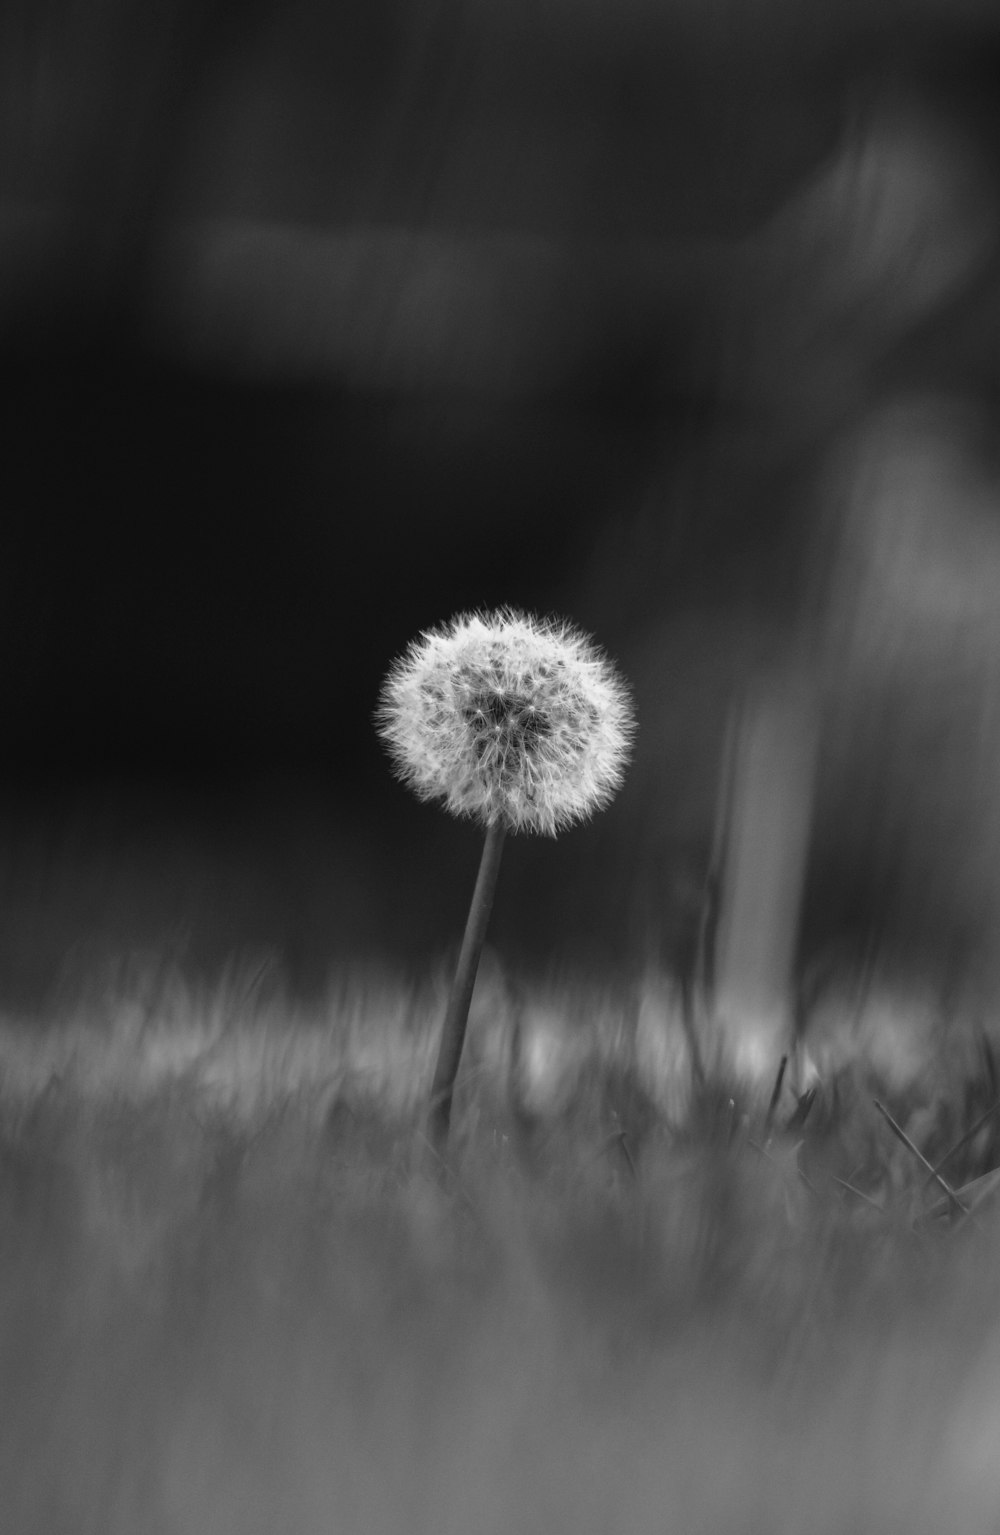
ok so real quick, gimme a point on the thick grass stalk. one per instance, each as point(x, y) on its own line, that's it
point(456, 1017)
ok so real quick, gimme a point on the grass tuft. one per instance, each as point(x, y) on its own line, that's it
point(237, 1295)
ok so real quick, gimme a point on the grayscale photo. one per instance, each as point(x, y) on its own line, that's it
point(500, 767)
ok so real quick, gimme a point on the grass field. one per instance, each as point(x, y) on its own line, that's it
point(239, 1295)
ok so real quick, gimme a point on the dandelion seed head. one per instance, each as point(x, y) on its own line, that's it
point(507, 717)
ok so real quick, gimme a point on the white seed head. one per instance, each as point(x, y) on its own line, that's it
point(506, 717)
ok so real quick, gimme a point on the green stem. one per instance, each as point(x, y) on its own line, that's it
point(456, 1018)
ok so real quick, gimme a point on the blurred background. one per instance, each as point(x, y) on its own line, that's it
point(321, 323)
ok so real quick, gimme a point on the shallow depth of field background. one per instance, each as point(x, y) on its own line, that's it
point(318, 328)
point(320, 324)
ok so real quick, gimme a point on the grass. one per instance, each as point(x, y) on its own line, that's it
point(237, 1294)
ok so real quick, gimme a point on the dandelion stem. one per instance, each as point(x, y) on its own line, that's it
point(456, 1017)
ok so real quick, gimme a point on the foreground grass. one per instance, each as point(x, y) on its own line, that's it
point(238, 1295)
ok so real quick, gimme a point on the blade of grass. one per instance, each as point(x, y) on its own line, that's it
point(974, 1194)
point(901, 1135)
point(776, 1093)
point(800, 1113)
point(966, 1138)
point(627, 1154)
point(859, 1194)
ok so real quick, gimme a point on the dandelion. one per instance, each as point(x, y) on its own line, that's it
point(519, 723)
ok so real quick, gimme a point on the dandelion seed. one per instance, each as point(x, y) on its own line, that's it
point(517, 722)
point(506, 717)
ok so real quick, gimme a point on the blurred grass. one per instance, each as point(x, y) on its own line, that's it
point(237, 1295)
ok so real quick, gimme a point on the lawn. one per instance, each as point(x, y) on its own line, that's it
point(240, 1294)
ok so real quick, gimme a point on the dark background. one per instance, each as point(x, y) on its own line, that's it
point(321, 323)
